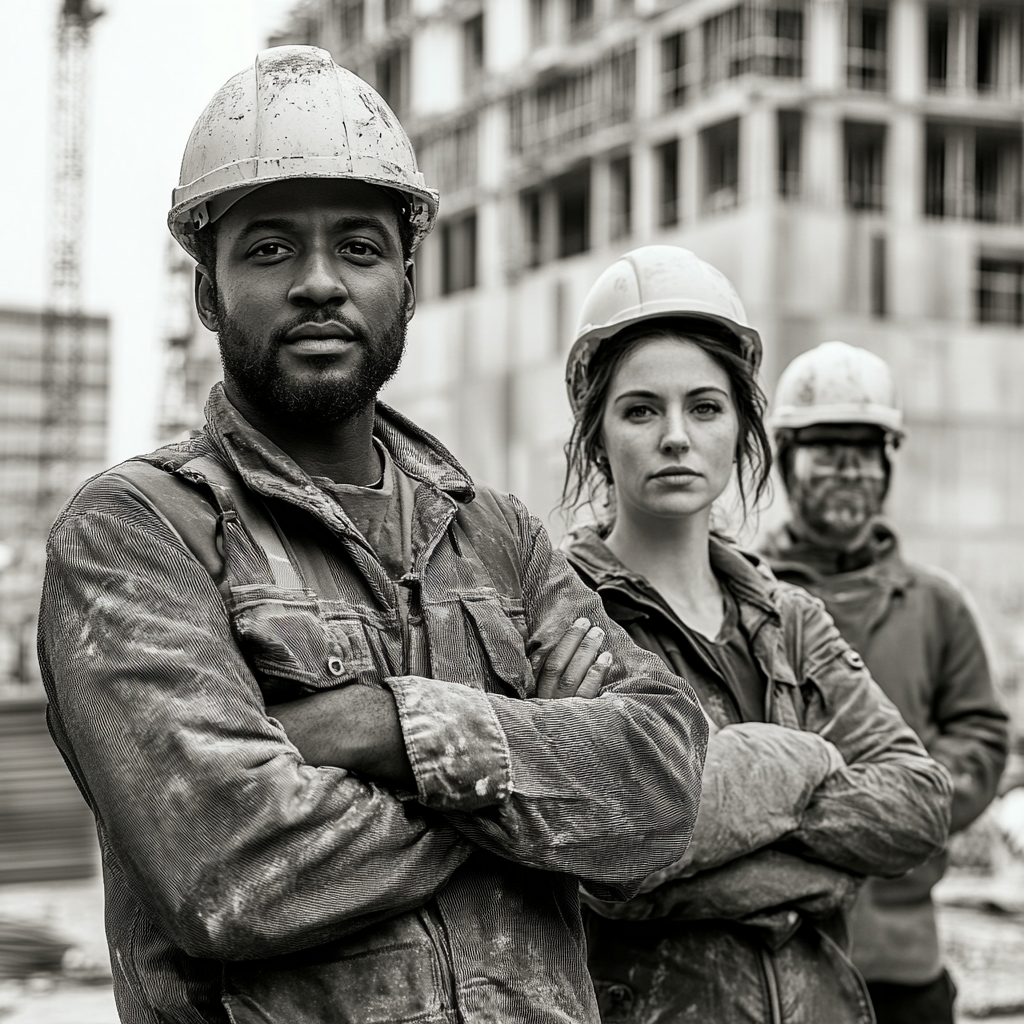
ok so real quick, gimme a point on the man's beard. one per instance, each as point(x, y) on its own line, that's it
point(837, 517)
point(251, 367)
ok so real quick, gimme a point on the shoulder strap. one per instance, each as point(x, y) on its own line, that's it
point(171, 486)
point(252, 512)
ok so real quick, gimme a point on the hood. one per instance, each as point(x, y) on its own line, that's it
point(794, 556)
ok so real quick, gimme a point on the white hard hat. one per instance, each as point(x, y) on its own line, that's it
point(648, 283)
point(294, 114)
point(837, 383)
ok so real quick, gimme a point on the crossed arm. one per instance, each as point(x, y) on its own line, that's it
point(371, 743)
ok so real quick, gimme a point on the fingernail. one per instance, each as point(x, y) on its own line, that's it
point(581, 623)
point(604, 658)
point(596, 633)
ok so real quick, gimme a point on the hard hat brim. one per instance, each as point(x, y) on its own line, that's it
point(748, 340)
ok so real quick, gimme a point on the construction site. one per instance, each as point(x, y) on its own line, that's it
point(856, 169)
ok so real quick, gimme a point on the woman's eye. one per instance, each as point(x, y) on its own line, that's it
point(707, 409)
point(639, 412)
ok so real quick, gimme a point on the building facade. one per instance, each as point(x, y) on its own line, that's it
point(854, 168)
point(27, 464)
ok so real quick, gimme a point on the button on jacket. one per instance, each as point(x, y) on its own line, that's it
point(245, 885)
point(915, 630)
point(750, 924)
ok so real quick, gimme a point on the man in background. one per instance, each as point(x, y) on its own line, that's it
point(836, 424)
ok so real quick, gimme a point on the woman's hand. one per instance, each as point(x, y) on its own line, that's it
point(575, 667)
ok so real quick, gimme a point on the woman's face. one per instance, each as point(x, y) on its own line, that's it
point(669, 429)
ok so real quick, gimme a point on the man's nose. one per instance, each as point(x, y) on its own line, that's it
point(318, 282)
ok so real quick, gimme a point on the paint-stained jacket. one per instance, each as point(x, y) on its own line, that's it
point(916, 631)
point(245, 885)
point(750, 925)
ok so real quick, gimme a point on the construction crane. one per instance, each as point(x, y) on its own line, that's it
point(64, 325)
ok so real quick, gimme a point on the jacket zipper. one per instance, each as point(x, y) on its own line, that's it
point(772, 984)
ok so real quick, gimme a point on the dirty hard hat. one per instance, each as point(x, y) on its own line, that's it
point(839, 384)
point(655, 282)
point(294, 114)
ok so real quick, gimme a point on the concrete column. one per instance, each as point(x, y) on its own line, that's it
point(824, 48)
point(690, 178)
point(758, 155)
point(907, 49)
point(600, 202)
point(905, 167)
point(644, 192)
point(648, 75)
point(822, 158)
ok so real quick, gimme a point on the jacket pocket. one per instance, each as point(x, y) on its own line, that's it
point(387, 974)
point(294, 651)
point(501, 634)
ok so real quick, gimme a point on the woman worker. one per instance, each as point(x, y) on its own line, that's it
point(812, 779)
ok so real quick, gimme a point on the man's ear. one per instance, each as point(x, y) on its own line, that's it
point(410, 289)
point(206, 298)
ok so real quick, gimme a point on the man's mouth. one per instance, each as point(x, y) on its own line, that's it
point(326, 339)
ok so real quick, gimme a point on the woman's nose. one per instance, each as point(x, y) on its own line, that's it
point(675, 437)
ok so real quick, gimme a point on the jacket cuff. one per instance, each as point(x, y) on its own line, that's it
point(456, 746)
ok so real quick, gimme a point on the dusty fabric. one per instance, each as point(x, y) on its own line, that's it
point(750, 924)
point(242, 881)
point(918, 636)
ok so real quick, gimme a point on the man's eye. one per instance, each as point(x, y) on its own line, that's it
point(269, 249)
point(360, 247)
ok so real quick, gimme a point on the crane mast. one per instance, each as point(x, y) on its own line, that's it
point(64, 325)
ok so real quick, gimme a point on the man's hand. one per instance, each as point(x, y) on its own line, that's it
point(355, 727)
point(575, 667)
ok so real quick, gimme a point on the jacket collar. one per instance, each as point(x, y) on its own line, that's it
point(806, 563)
point(746, 576)
point(267, 469)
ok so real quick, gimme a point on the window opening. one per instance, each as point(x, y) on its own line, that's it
point(530, 205)
point(867, 48)
point(997, 177)
point(572, 199)
point(473, 51)
point(721, 166)
point(352, 17)
point(673, 71)
point(754, 38)
point(620, 173)
point(581, 17)
point(791, 123)
point(879, 296)
point(1001, 291)
point(395, 9)
point(668, 184)
point(865, 166)
point(393, 78)
point(458, 254)
point(938, 50)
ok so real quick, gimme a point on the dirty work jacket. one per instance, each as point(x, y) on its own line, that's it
point(916, 632)
point(245, 885)
point(749, 925)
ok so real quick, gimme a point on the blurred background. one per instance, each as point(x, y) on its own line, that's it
point(854, 167)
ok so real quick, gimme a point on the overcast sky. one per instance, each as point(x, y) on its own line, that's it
point(155, 65)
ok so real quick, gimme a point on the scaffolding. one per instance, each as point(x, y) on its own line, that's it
point(64, 326)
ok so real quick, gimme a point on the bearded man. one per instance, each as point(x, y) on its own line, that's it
point(306, 673)
point(836, 423)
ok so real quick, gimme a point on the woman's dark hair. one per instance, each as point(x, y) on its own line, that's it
point(588, 475)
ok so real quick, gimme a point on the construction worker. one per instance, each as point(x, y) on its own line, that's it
point(812, 780)
point(305, 671)
point(837, 423)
